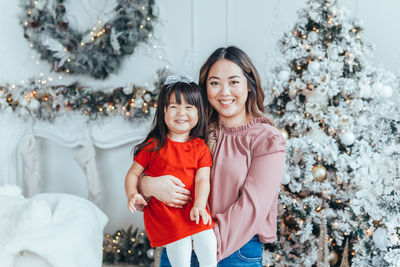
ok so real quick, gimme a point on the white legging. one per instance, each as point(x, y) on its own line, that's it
point(204, 244)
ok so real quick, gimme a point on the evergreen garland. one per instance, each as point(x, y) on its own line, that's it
point(96, 52)
point(48, 102)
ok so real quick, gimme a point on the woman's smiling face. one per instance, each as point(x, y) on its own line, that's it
point(227, 92)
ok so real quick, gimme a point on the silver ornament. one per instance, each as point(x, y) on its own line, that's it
point(150, 253)
point(347, 138)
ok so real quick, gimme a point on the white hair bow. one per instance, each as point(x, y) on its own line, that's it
point(178, 78)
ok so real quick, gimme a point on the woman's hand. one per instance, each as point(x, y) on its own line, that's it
point(167, 189)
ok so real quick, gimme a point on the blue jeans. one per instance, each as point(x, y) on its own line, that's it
point(249, 255)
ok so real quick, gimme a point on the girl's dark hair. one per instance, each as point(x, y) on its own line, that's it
point(255, 99)
point(159, 130)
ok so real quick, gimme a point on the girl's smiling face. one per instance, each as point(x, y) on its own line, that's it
point(180, 118)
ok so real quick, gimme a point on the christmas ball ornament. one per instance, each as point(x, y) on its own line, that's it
point(335, 224)
point(34, 105)
point(333, 258)
point(283, 75)
point(127, 90)
point(386, 91)
point(291, 106)
point(313, 66)
point(312, 37)
point(380, 238)
point(284, 133)
point(147, 97)
point(285, 179)
point(347, 139)
point(150, 253)
point(139, 102)
point(319, 173)
point(365, 90)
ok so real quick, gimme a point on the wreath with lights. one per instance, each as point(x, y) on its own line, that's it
point(96, 52)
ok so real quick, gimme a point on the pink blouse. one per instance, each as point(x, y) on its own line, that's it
point(248, 166)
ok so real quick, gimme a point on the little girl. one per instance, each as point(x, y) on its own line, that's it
point(175, 146)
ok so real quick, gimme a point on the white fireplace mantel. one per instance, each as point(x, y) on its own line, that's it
point(72, 130)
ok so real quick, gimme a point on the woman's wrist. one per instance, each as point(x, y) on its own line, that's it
point(145, 186)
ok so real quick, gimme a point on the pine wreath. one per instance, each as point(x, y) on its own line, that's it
point(94, 52)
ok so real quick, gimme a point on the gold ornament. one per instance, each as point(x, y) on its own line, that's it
point(284, 133)
point(319, 173)
point(333, 258)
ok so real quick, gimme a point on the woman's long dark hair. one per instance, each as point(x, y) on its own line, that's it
point(159, 130)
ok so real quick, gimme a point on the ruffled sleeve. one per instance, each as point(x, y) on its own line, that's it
point(272, 144)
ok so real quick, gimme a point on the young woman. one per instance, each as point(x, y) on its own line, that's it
point(248, 161)
point(175, 146)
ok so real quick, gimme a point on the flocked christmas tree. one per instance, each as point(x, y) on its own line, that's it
point(343, 143)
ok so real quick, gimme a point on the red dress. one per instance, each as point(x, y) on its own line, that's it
point(163, 224)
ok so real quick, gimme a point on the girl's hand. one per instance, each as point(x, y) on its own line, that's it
point(135, 199)
point(197, 212)
point(167, 189)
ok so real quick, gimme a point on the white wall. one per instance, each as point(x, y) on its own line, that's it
point(187, 32)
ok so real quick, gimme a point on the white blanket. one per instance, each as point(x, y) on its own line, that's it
point(63, 229)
